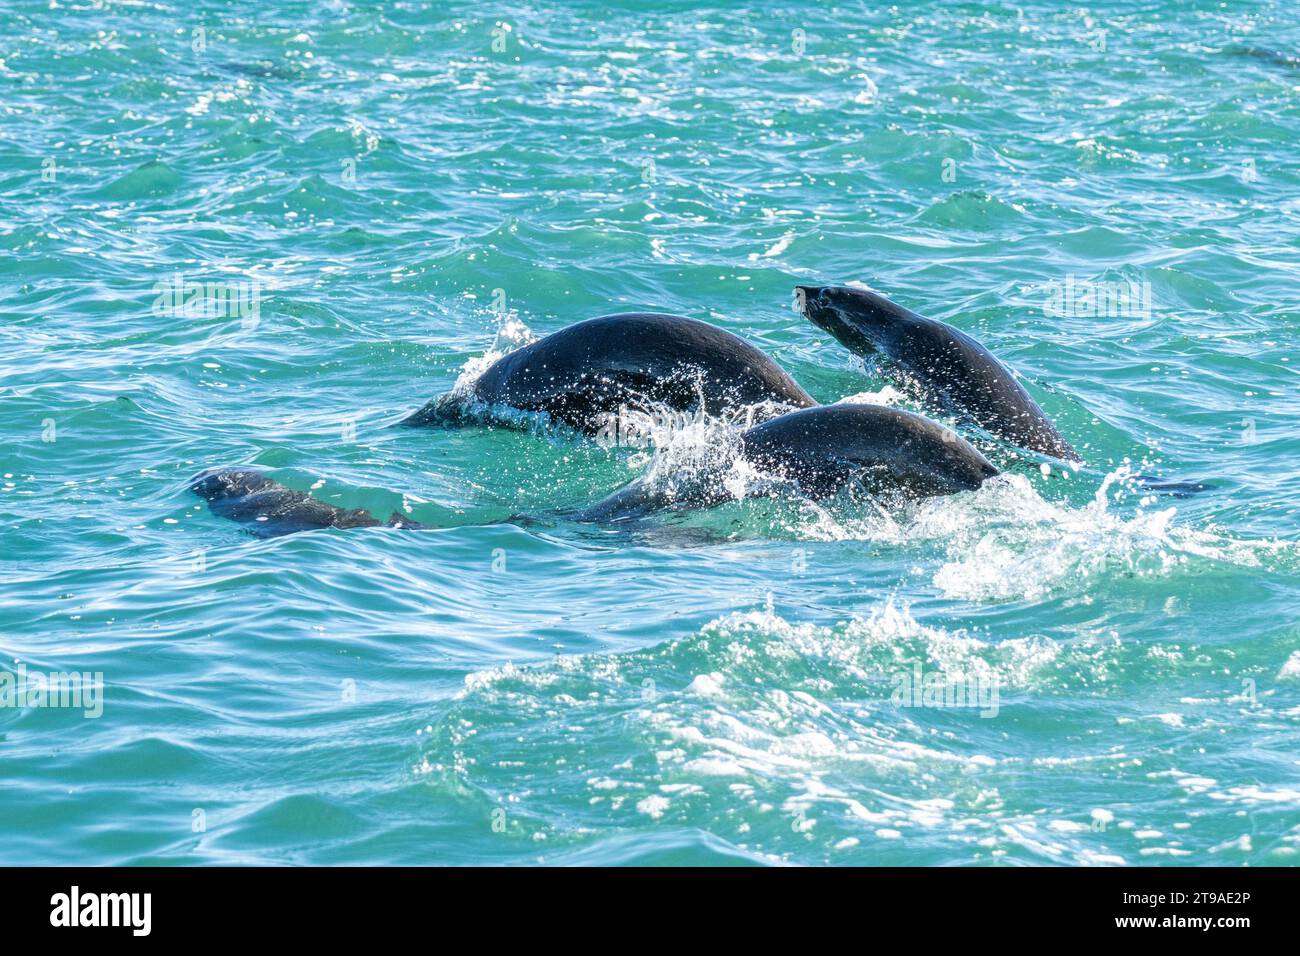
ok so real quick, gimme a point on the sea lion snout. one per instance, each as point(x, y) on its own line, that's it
point(810, 302)
point(856, 319)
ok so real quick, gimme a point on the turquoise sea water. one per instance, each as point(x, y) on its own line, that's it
point(709, 688)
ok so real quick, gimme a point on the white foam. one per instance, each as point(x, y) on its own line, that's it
point(511, 334)
point(1005, 541)
point(1291, 669)
point(706, 685)
point(653, 806)
point(755, 714)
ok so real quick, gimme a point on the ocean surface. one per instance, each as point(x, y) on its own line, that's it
point(372, 198)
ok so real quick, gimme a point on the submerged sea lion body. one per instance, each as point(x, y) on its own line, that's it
point(585, 374)
point(268, 509)
point(818, 451)
point(952, 369)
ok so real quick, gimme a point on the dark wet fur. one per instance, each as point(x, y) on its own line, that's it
point(588, 373)
point(821, 452)
point(585, 374)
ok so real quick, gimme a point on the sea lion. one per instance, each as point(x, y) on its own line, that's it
point(951, 368)
point(820, 452)
point(586, 374)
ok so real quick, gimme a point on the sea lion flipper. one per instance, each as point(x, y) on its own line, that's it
point(445, 411)
point(396, 520)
